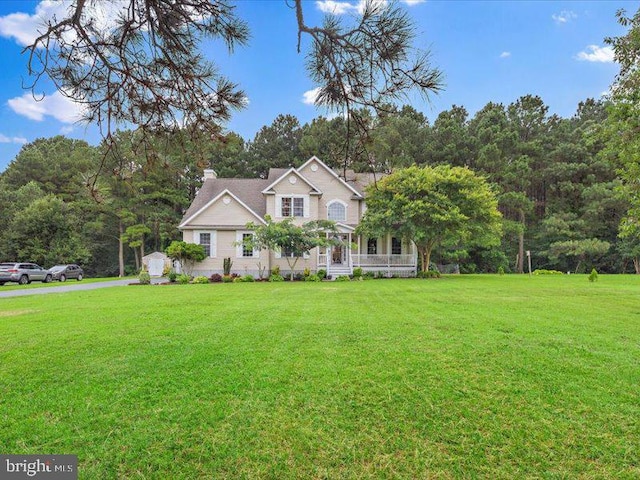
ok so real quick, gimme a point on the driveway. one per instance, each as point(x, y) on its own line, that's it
point(72, 286)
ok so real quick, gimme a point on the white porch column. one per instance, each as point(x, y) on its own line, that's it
point(359, 240)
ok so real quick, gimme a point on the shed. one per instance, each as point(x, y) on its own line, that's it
point(155, 263)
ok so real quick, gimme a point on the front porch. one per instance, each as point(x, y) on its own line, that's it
point(387, 255)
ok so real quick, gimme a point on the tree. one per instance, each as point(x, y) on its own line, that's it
point(292, 240)
point(433, 206)
point(143, 66)
point(187, 254)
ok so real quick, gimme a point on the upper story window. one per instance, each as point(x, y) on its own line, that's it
point(292, 207)
point(337, 211)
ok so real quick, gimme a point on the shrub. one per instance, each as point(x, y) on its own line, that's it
point(501, 270)
point(201, 279)
point(215, 278)
point(593, 276)
point(368, 275)
point(428, 274)
point(275, 270)
point(357, 272)
point(322, 274)
point(343, 278)
point(248, 278)
point(183, 279)
point(172, 276)
point(226, 266)
point(312, 278)
point(381, 275)
point(144, 278)
point(542, 271)
point(166, 270)
point(306, 272)
point(276, 278)
point(227, 279)
point(237, 280)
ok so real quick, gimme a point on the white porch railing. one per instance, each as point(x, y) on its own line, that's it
point(384, 260)
point(375, 260)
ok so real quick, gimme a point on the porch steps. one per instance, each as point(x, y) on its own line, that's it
point(339, 271)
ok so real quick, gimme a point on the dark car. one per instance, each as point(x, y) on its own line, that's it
point(64, 272)
point(23, 273)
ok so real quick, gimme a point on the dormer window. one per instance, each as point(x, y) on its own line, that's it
point(337, 211)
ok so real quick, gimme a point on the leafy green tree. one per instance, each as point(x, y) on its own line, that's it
point(433, 206)
point(187, 254)
point(287, 236)
point(580, 249)
point(45, 232)
point(275, 146)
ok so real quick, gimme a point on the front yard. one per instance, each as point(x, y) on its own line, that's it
point(466, 376)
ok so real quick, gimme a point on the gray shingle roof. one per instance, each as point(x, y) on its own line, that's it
point(248, 190)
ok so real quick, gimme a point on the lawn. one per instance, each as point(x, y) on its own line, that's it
point(462, 377)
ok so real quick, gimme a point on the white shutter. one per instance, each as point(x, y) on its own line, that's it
point(239, 244)
point(305, 204)
point(278, 212)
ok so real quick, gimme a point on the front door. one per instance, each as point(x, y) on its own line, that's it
point(339, 252)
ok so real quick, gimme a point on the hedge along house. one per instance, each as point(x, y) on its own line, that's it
point(219, 213)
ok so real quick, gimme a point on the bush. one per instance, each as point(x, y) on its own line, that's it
point(312, 278)
point(322, 274)
point(500, 270)
point(306, 272)
point(543, 271)
point(183, 279)
point(357, 272)
point(215, 278)
point(237, 280)
point(343, 278)
point(227, 279)
point(166, 270)
point(201, 279)
point(275, 270)
point(593, 276)
point(276, 278)
point(368, 276)
point(248, 278)
point(144, 278)
point(428, 274)
point(172, 276)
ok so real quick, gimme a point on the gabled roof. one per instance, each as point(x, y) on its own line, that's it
point(268, 190)
point(247, 191)
point(334, 174)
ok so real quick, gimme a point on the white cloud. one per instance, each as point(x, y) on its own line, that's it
point(341, 7)
point(309, 97)
point(565, 16)
point(413, 2)
point(19, 140)
point(505, 54)
point(25, 28)
point(56, 106)
point(66, 129)
point(594, 53)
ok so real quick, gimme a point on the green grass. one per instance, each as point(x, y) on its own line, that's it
point(464, 377)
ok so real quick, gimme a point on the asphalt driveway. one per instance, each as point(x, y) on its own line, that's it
point(71, 287)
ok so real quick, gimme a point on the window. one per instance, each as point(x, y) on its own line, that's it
point(205, 241)
point(396, 246)
point(208, 241)
point(242, 249)
point(287, 251)
point(292, 207)
point(337, 211)
point(247, 251)
point(372, 246)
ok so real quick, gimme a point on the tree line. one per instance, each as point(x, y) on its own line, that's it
point(558, 188)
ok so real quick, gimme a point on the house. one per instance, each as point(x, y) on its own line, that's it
point(219, 213)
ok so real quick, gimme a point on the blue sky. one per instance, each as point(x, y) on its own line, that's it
point(488, 51)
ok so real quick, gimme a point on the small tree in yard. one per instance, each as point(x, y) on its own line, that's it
point(433, 206)
point(285, 236)
point(188, 254)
